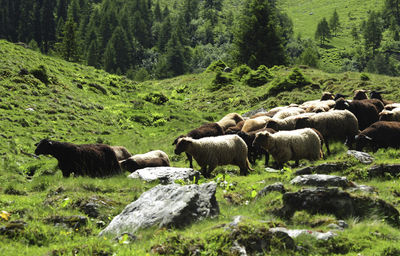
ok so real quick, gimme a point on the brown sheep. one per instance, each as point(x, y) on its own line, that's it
point(382, 134)
point(121, 152)
point(94, 160)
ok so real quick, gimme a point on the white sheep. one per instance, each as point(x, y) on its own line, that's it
point(338, 125)
point(290, 145)
point(289, 123)
point(390, 115)
point(290, 111)
point(150, 159)
point(254, 124)
point(216, 151)
point(317, 106)
point(230, 120)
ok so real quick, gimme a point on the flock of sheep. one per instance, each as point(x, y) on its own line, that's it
point(291, 132)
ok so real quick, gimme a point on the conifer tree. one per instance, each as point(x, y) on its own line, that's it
point(48, 25)
point(69, 46)
point(372, 31)
point(323, 32)
point(257, 39)
point(116, 56)
point(157, 12)
point(174, 63)
point(334, 23)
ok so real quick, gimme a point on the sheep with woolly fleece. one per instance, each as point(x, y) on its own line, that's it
point(290, 145)
point(392, 106)
point(289, 123)
point(390, 115)
point(360, 94)
point(121, 152)
point(153, 158)
point(327, 96)
point(337, 125)
point(255, 123)
point(230, 120)
point(291, 111)
point(216, 151)
point(317, 106)
point(94, 160)
point(235, 129)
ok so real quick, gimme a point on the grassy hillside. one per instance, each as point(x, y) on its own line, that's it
point(83, 105)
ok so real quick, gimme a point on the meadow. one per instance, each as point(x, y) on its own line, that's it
point(45, 97)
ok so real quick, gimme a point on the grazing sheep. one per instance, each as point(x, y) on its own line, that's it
point(317, 106)
point(290, 145)
point(230, 120)
point(291, 111)
point(377, 103)
point(286, 124)
point(216, 151)
point(255, 152)
point(390, 115)
point(382, 134)
point(235, 129)
point(121, 152)
point(327, 96)
point(255, 123)
point(338, 125)
point(153, 158)
point(206, 130)
point(94, 160)
point(365, 112)
point(360, 95)
point(339, 95)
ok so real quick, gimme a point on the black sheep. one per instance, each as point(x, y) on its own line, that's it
point(94, 160)
point(206, 130)
point(382, 134)
point(365, 112)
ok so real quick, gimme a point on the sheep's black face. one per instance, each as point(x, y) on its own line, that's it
point(181, 146)
point(44, 147)
point(341, 104)
point(129, 165)
point(362, 142)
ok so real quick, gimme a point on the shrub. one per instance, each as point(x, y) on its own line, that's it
point(221, 79)
point(241, 71)
point(157, 98)
point(41, 74)
point(364, 77)
point(296, 79)
point(216, 66)
point(257, 77)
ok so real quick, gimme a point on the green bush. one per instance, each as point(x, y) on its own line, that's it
point(296, 79)
point(157, 98)
point(241, 71)
point(258, 77)
point(364, 77)
point(216, 66)
point(221, 79)
point(41, 74)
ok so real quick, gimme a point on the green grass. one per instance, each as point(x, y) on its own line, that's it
point(69, 109)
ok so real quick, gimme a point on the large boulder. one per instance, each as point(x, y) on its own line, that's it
point(322, 168)
point(337, 202)
point(384, 169)
point(363, 157)
point(276, 187)
point(164, 174)
point(166, 206)
point(321, 180)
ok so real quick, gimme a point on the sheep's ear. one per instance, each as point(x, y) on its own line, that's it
point(346, 103)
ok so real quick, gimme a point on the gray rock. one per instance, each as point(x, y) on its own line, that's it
point(363, 157)
point(166, 206)
point(164, 174)
point(91, 209)
point(340, 225)
point(74, 221)
point(272, 170)
point(321, 180)
point(362, 188)
point(382, 170)
point(293, 233)
point(278, 187)
point(322, 168)
point(238, 249)
point(337, 202)
point(253, 112)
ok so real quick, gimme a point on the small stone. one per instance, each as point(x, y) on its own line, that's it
point(363, 157)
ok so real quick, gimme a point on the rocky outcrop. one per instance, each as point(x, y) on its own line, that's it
point(321, 180)
point(164, 174)
point(166, 206)
point(322, 168)
point(337, 202)
point(293, 233)
point(363, 157)
point(278, 187)
point(384, 169)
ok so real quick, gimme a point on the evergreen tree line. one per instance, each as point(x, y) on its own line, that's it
point(142, 38)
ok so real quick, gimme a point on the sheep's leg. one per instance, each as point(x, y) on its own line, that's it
point(266, 158)
point(210, 169)
point(296, 163)
point(189, 157)
point(349, 142)
point(203, 171)
point(327, 147)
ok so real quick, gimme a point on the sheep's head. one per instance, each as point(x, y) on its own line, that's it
point(273, 125)
point(327, 96)
point(302, 122)
point(182, 145)
point(44, 147)
point(342, 104)
point(375, 95)
point(386, 115)
point(360, 95)
point(362, 141)
point(129, 165)
point(261, 139)
point(176, 140)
